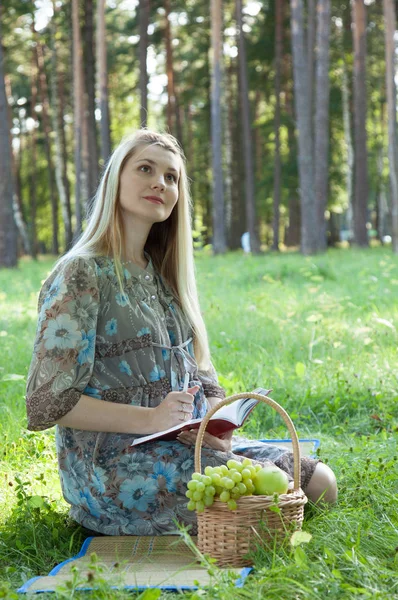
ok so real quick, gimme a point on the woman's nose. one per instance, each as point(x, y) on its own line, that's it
point(158, 182)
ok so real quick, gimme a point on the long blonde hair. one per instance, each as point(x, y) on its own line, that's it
point(169, 243)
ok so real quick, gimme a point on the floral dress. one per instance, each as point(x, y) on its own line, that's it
point(131, 348)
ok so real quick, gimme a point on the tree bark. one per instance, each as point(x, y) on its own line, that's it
point(8, 232)
point(144, 10)
point(78, 115)
point(219, 243)
point(309, 239)
point(360, 205)
point(92, 171)
point(102, 74)
point(390, 23)
point(57, 124)
point(173, 113)
point(311, 36)
point(279, 8)
point(251, 216)
point(43, 89)
point(321, 146)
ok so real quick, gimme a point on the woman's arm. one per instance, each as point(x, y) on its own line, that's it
point(91, 414)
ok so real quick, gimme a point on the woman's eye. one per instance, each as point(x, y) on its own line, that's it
point(173, 177)
point(144, 167)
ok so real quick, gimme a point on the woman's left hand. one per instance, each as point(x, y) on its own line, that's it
point(223, 443)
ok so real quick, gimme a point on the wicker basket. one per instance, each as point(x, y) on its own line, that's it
point(228, 535)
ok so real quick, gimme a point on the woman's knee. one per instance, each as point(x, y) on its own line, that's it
point(323, 485)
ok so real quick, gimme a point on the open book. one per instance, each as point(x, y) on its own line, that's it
point(231, 416)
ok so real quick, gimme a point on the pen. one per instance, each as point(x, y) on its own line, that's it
point(186, 381)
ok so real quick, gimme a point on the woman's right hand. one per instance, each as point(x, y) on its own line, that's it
point(175, 409)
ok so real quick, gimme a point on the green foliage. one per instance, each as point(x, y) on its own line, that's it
point(322, 333)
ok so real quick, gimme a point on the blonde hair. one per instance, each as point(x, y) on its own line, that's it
point(169, 243)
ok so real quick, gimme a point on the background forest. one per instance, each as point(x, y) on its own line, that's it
point(282, 110)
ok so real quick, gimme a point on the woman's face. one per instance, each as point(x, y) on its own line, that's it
point(151, 171)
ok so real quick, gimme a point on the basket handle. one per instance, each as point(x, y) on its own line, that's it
point(272, 404)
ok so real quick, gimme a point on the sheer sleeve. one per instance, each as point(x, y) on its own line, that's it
point(209, 380)
point(64, 347)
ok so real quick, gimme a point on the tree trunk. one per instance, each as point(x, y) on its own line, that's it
point(361, 159)
point(321, 146)
point(77, 114)
point(219, 244)
point(251, 216)
point(102, 74)
point(8, 232)
point(347, 136)
point(144, 10)
point(277, 121)
point(43, 89)
point(64, 150)
point(17, 202)
point(292, 237)
point(57, 123)
point(173, 118)
point(390, 21)
point(311, 35)
point(92, 171)
point(238, 224)
point(303, 114)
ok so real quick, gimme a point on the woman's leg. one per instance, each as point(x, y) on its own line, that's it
point(322, 486)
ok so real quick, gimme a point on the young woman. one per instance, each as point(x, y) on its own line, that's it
point(119, 326)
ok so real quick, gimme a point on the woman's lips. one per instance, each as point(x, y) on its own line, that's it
point(154, 201)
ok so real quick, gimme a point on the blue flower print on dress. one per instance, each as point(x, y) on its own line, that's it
point(61, 333)
point(111, 327)
point(131, 465)
point(87, 347)
point(93, 392)
point(90, 503)
point(125, 367)
point(138, 492)
point(165, 354)
point(56, 291)
point(127, 273)
point(164, 448)
point(156, 374)
point(121, 299)
point(76, 469)
point(172, 337)
point(169, 472)
point(143, 331)
point(98, 478)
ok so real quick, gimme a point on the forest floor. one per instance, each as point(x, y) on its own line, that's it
point(322, 332)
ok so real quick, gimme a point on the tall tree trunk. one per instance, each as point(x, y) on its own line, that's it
point(237, 224)
point(303, 114)
point(144, 10)
point(219, 243)
point(43, 89)
point(78, 115)
point(347, 135)
point(311, 35)
point(173, 113)
point(277, 121)
point(361, 159)
point(390, 22)
point(17, 202)
point(32, 151)
point(64, 150)
point(102, 74)
point(8, 232)
point(321, 146)
point(247, 135)
point(56, 125)
point(92, 171)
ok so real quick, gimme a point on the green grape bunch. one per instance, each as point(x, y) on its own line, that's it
point(227, 483)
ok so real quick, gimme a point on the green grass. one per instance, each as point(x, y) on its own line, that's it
point(322, 333)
